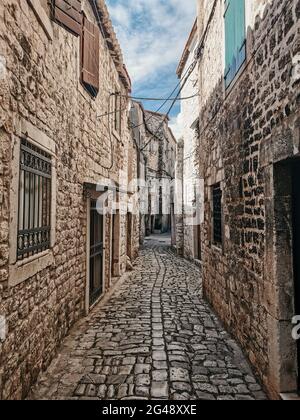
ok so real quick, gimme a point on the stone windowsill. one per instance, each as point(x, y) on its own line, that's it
point(217, 248)
point(23, 270)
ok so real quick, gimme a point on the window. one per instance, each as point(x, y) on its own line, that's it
point(217, 214)
point(235, 38)
point(68, 14)
point(90, 57)
point(34, 225)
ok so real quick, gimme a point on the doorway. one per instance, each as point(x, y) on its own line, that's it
point(296, 245)
point(129, 235)
point(197, 243)
point(115, 245)
point(96, 277)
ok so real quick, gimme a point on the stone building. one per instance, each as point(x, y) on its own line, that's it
point(64, 151)
point(160, 151)
point(189, 240)
point(157, 169)
point(249, 157)
point(139, 135)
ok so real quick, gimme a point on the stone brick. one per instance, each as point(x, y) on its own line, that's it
point(41, 86)
point(245, 137)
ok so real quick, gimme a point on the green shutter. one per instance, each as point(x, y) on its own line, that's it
point(239, 6)
point(235, 35)
point(230, 33)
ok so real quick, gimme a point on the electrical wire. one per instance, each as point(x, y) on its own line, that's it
point(190, 71)
point(146, 99)
point(160, 99)
point(163, 104)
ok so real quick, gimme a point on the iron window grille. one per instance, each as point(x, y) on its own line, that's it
point(217, 215)
point(34, 213)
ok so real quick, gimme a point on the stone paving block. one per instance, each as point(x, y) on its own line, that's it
point(80, 390)
point(142, 368)
point(122, 392)
point(93, 379)
point(160, 365)
point(116, 379)
point(160, 389)
point(159, 356)
point(202, 396)
point(125, 370)
point(179, 375)
point(160, 375)
point(142, 380)
point(142, 391)
point(182, 386)
point(102, 391)
point(154, 329)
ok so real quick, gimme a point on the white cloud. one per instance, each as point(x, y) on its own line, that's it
point(121, 15)
point(176, 125)
point(152, 33)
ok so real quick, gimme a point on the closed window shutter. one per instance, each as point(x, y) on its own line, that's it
point(90, 56)
point(68, 14)
point(240, 33)
point(235, 35)
point(229, 34)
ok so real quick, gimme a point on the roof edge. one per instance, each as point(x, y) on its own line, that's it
point(186, 51)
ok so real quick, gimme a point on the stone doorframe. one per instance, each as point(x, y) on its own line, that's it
point(115, 244)
point(93, 195)
point(278, 281)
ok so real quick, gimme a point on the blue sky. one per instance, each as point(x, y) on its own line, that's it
point(152, 34)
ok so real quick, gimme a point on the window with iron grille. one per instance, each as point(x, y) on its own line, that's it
point(217, 214)
point(34, 216)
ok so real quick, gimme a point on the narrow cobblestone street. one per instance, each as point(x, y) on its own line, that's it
point(154, 338)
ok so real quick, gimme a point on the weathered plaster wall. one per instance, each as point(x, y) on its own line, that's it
point(189, 115)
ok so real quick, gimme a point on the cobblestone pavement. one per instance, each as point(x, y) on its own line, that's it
point(155, 338)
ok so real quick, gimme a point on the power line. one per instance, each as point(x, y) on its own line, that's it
point(163, 104)
point(145, 99)
point(160, 99)
point(189, 72)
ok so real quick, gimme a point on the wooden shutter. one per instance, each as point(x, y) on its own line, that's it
point(90, 56)
point(68, 14)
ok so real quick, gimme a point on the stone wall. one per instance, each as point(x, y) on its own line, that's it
point(189, 114)
point(179, 199)
point(243, 133)
point(139, 140)
point(160, 154)
point(42, 87)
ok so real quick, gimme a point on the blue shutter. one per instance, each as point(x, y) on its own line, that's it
point(235, 35)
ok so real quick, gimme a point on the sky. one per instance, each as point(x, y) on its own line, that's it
point(152, 35)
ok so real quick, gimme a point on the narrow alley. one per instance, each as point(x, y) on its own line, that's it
point(154, 337)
